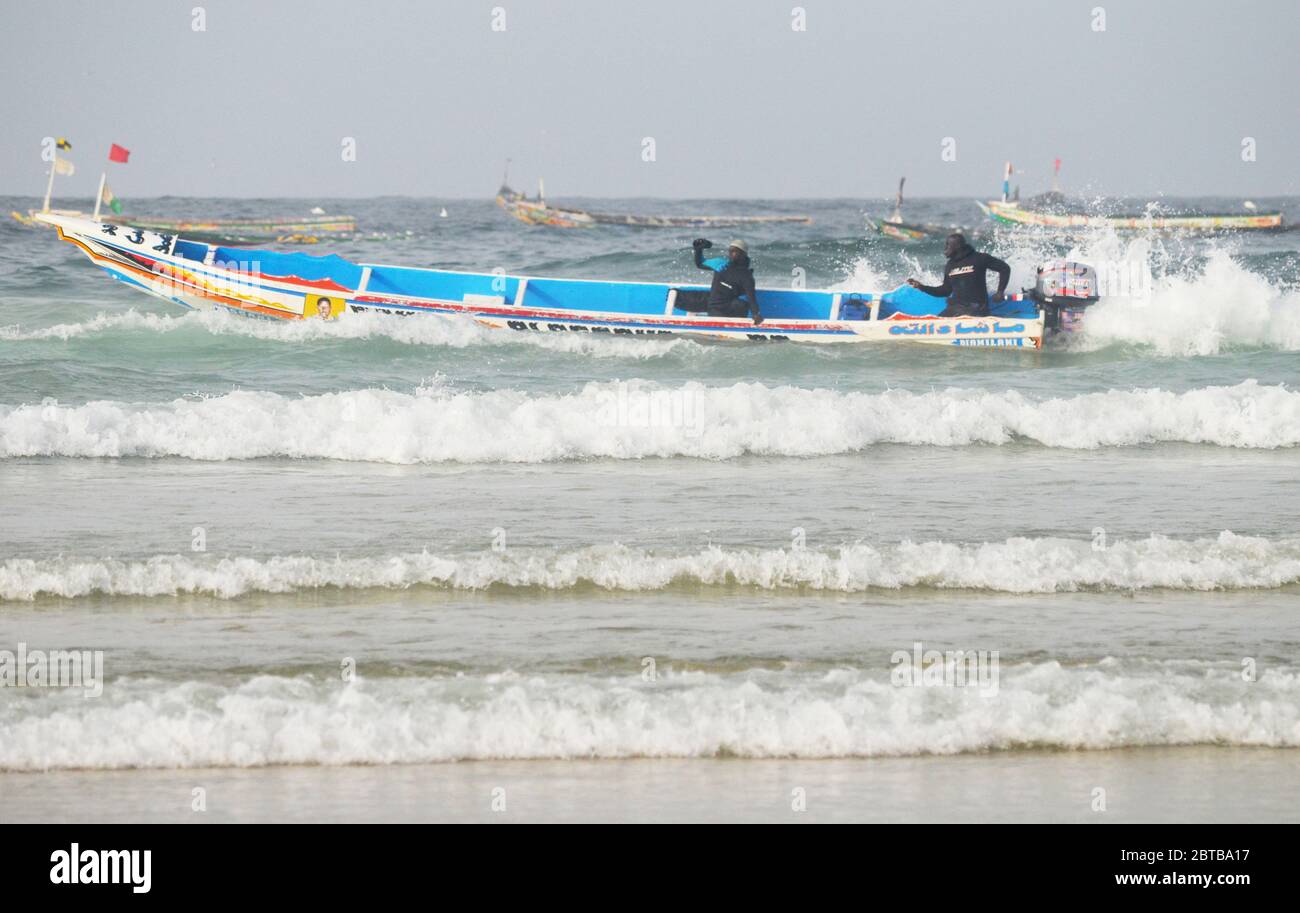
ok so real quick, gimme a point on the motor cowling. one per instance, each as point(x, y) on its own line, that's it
point(1065, 288)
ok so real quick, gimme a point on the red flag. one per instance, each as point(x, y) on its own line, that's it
point(117, 154)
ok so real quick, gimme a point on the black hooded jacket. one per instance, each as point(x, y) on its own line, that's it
point(964, 282)
point(730, 282)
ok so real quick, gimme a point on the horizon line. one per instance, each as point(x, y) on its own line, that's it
point(492, 196)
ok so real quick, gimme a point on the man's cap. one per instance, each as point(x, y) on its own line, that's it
point(738, 244)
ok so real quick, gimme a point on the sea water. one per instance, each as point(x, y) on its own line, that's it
point(653, 578)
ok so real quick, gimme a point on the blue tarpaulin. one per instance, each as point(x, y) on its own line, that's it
point(277, 265)
point(915, 303)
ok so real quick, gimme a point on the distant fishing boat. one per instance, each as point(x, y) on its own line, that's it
point(539, 212)
point(894, 226)
point(1012, 213)
point(900, 230)
point(58, 165)
point(1054, 210)
point(242, 230)
point(222, 231)
point(29, 219)
point(296, 286)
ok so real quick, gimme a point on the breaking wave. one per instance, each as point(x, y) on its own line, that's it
point(131, 320)
point(1224, 306)
point(757, 713)
point(423, 330)
point(1018, 565)
point(632, 420)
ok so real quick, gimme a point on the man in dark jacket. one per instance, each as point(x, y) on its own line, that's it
point(964, 280)
point(732, 293)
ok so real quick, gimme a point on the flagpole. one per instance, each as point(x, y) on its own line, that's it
point(99, 197)
point(49, 188)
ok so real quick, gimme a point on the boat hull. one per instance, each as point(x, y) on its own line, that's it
point(228, 230)
point(30, 220)
point(912, 231)
point(269, 285)
point(536, 212)
point(219, 231)
point(1013, 214)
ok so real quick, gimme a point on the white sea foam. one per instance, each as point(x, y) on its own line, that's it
point(133, 320)
point(635, 420)
point(843, 712)
point(1225, 305)
point(416, 330)
point(1019, 565)
point(863, 276)
point(1181, 313)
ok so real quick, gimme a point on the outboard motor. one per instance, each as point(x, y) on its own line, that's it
point(1065, 288)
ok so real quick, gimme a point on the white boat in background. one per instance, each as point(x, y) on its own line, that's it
point(539, 212)
point(1054, 210)
point(1050, 212)
point(296, 286)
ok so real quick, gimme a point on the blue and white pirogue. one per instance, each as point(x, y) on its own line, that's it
point(296, 286)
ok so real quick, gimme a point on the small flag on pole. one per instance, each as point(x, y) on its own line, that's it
point(57, 166)
point(117, 154)
point(106, 197)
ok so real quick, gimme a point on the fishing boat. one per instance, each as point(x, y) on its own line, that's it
point(301, 230)
point(539, 212)
point(29, 220)
point(1056, 211)
point(304, 229)
point(58, 165)
point(296, 286)
point(899, 230)
point(894, 227)
point(1043, 213)
point(307, 230)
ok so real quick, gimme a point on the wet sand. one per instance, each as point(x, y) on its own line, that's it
point(1193, 784)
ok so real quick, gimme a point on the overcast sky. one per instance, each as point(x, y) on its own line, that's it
point(738, 103)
